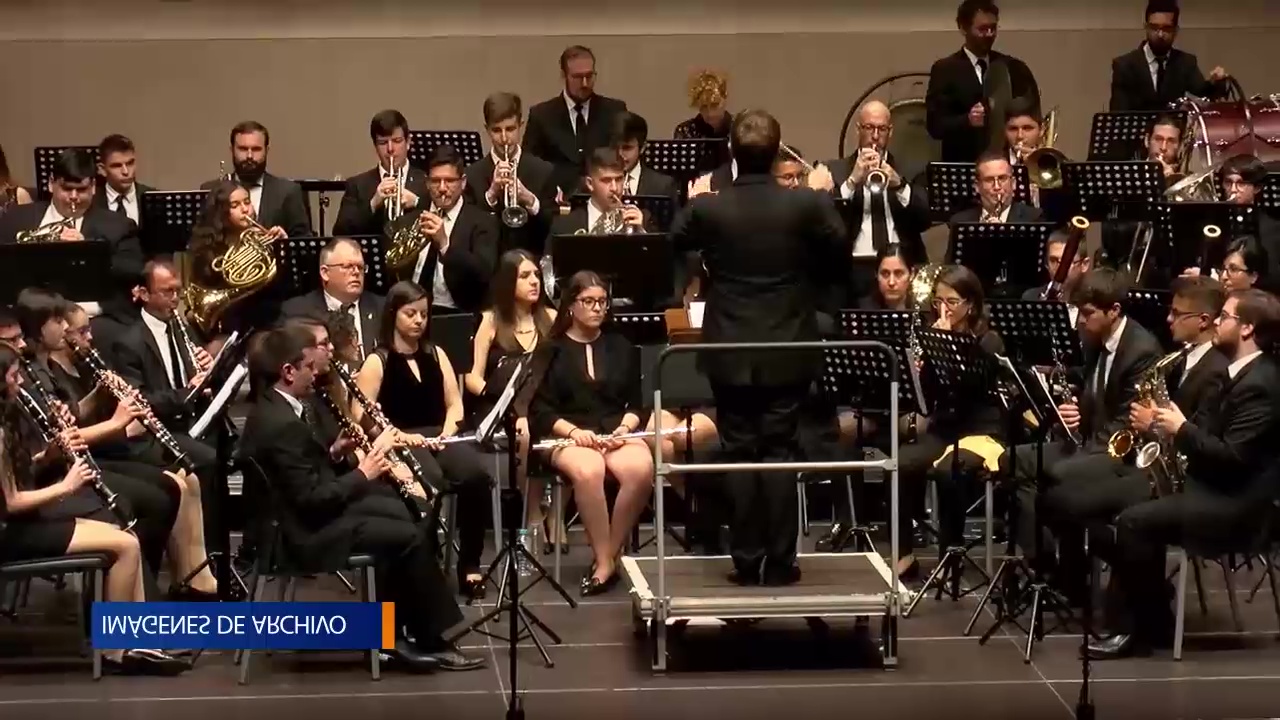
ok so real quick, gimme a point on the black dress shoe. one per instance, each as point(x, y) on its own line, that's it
point(447, 657)
point(780, 576)
point(595, 586)
point(406, 653)
point(1120, 645)
point(743, 576)
point(146, 662)
point(835, 540)
point(186, 593)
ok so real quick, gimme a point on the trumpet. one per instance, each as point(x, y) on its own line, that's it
point(50, 232)
point(567, 442)
point(877, 179)
point(513, 216)
point(393, 205)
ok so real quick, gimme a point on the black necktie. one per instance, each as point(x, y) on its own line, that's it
point(349, 309)
point(120, 206)
point(1100, 377)
point(305, 415)
point(879, 225)
point(580, 126)
point(1160, 63)
point(982, 69)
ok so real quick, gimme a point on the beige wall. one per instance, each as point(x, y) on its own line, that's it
point(176, 74)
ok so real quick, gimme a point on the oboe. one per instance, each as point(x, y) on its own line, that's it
point(567, 442)
point(380, 422)
point(126, 393)
point(51, 430)
point(356, 433)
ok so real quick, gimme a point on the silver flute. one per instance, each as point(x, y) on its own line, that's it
point(567, 442)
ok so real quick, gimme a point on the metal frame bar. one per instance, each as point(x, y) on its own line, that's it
point(663, 469)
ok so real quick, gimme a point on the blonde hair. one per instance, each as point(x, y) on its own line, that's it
point(707, 87)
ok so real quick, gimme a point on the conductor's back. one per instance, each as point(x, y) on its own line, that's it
point(769, 253)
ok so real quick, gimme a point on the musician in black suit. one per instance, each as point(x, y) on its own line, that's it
point(1157, 74)
point(567, 128)
point(458, 262)
point(1117, 350)
point(1094, 487)
point(1055, 247)
point(605, 202)
point(277, 201)
point(325, 517)
point(964, 86)
point(364, 200)
point(901, 214)
point(72, 188)
point(487, 178)
point(1162, 144)
point(342, 277)
point(119, 190)
point(1230, 449)
point(996, 203)
point(769, 254)
point(1241, 178)
point(629, 135)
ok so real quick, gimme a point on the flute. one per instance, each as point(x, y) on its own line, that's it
point(567, 442)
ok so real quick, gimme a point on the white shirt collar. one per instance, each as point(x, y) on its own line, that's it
point(51, 215)
point(632, 179)
point(1196, 355)
point(453, 213)
point(973, 59)
point(571, 104)
point(154, 323)
point(294, 402)
point(333, 303)
point(1234, 368)
point(515, 157)
point(1113, 342)
point(113, 195)
point(1149, 54)
point(593, 214)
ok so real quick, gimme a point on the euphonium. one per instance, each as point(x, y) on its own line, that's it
point(50, 232)
point(513, 216)
point(1044, 164)
point(1152, 387)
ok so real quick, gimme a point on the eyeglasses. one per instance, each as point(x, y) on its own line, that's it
point(951, 302)
point(1224, 315)
point(348, 267)
point(874, 129)
point(594, 303)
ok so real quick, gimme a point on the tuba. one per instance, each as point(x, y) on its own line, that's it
point(1153, 387)
point(1044, 164)
point(246, 267)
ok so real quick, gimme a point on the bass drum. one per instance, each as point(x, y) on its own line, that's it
point(1223, 129)
point(912, 147)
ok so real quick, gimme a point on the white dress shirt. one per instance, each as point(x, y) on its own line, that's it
point(573, 116)
point(1112, 344)
point(333, 303)
point(160, 331)
point(439, 290)
point(593, 214)
point(1196, 355)
point(515, 167)
point(863, 245)
point(130, 201)
point(255, 194)
point(294, 402)
point(631, 181)
point(973, 60)
point(1234, 368)
point(1153, 65)
point(52, 215)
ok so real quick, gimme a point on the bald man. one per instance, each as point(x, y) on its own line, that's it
point(899, 214)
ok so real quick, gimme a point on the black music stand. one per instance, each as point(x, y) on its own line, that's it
point(641, 328)
point(75, 270)
point(502, 387)
point(952, 187)
point(300, 263)
point(685, 160)
point(637, 266)
point(1112, 190)
point(167, 219)
point(45, 157)
point(1181, 229)
point(956, 377)
point(424, 142)
point(1122, 135)
point(1150, 309)
point(322, 188)
point(1269, 195)
point(1007, 257)
point(1036, 332)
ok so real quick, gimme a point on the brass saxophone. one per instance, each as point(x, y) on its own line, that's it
point(1167, 469)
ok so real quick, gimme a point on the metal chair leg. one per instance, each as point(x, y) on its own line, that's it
point(99, 581)
point(370, 592)
point(557, 502)
point(1180, 611)
point(242, 656)
point(1200, 594)
point(1228, 576)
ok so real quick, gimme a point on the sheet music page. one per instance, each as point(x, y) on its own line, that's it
point(697, 309)
point(504, 401)
point(225, 393)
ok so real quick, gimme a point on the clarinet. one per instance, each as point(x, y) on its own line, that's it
point(123, 392)
point(362, 441)
point(380, 421)
point(51, 430)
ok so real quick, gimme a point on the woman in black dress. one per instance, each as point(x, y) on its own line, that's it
point(37, 520)
point(519, 321)
point(417, 388)
point(11, 194)
point(590, 392)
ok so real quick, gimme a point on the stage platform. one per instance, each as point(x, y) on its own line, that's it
point(837, 585)
point(778, 668)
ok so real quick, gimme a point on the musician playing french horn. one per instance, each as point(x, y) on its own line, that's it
point(605, 212)
point(1229, 445)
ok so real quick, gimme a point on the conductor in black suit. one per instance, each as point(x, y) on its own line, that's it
point(325, 517)
point(1231, 452)
point(277, 201)
point(457, 263)
point(72, 187)
point(119, 190)
point(769, 253)
point(567, 128)
point(364, 200)
point(487, 178)
point(342, 288)
point(964, 86)
point(1157, 74)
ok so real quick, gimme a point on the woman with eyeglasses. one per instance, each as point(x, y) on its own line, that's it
point(960, 308)
point(589, 395)
point(1245, 265)
point(519, 323)
point(414, 383)
point(36, 524)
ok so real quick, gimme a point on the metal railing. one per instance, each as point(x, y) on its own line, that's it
point(663, 469)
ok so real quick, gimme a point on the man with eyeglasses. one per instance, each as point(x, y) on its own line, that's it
point(1157, 74)
point(342, 271)
point(1055, 249)
point(567, 128)
point(1230, 449)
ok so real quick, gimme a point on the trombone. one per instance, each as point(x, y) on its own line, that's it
point(513, 215)
point(1044, 164)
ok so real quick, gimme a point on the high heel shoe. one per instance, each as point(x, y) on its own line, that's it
point(549, 546)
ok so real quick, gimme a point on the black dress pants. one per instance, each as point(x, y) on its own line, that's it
point(761, 424)
point(1023, 461)
point(459, 469)
point(408, 568)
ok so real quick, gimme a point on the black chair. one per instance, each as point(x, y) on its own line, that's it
point(274, 563)
point(92, 568)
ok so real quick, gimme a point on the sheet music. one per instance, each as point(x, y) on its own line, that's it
point(1048, 394)
point(225, 393)
point(486, 425)
point(697, 309)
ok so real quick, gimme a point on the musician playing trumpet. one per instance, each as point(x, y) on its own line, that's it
point(995, 188)
point(380, 193)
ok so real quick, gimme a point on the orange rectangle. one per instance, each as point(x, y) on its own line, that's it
point(388, 625)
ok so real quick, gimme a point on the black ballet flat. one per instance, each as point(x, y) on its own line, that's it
point(594, 586)
point(471, 589)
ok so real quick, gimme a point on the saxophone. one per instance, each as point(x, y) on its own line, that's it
point(1167, 468)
